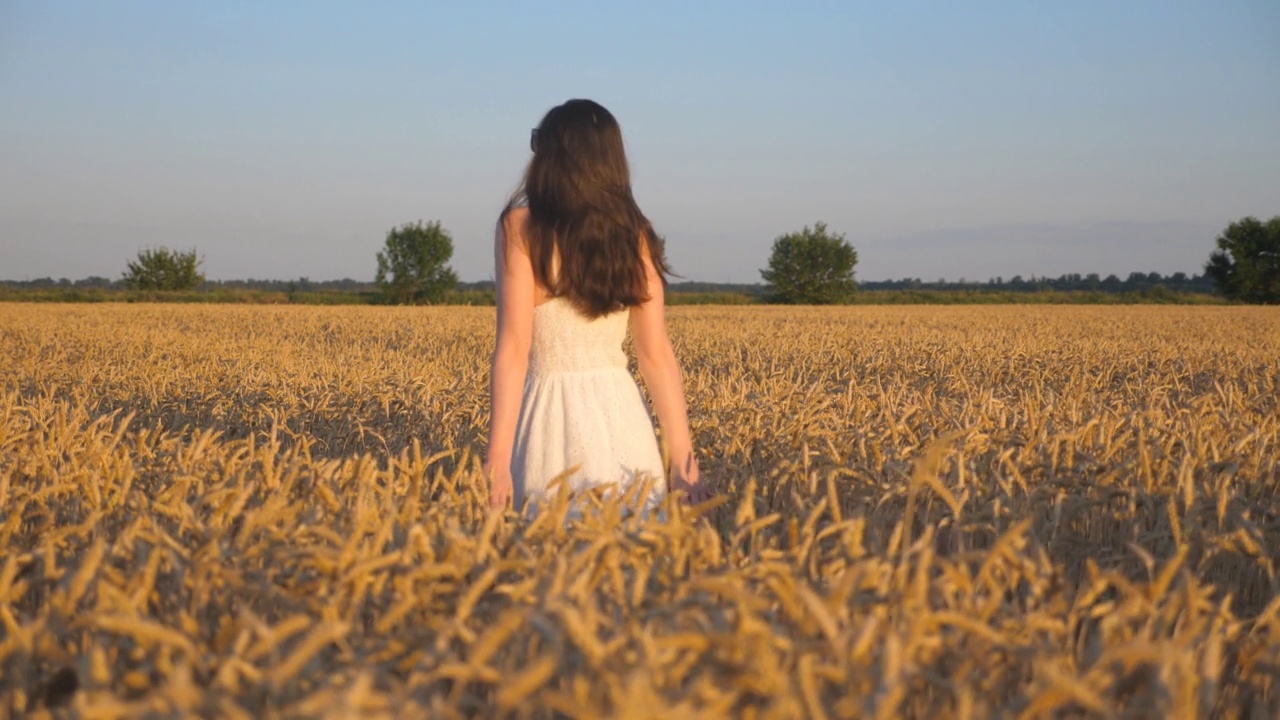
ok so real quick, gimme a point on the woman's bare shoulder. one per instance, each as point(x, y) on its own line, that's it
point(515, 217)
point(511, 227)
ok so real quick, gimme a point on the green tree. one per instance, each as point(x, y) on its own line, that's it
point(164, 269)
point(1246, 265)
point(811, 267)
point(411, 266)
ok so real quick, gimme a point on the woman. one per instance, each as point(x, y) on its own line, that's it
point(577, 263)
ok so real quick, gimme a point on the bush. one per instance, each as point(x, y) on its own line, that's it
point(411, 266)
point(1246, 265)
point(811, 267)
point(164, 269)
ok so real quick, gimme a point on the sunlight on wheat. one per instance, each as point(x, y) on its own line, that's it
point(927, 512)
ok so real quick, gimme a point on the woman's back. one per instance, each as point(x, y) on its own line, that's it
point(581, 409)
point(565, 341)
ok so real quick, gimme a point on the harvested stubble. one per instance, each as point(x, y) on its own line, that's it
point(932, 512)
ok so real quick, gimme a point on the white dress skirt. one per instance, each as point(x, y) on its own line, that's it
point(582, 412)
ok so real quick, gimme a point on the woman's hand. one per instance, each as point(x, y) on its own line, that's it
point(499, 485)
point(687, 478)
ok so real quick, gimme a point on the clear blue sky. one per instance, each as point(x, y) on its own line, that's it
point(945, 139)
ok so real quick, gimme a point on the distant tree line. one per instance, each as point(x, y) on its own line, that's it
point(812, 266)
point(301, 284)
point(1093, 282)
point(816, 267)
point(1134, 282)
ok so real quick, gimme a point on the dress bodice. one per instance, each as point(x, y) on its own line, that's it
point(566, 341)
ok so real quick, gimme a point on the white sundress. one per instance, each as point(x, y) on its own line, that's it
point(581, 407)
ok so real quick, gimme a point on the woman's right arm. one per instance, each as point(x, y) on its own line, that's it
point(513, 278)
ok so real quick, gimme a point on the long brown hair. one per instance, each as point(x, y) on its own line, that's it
point(577, 188)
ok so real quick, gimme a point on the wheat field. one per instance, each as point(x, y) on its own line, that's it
point(925, 512)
